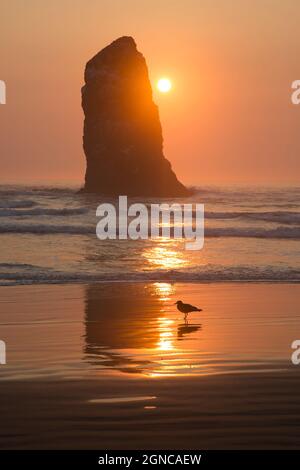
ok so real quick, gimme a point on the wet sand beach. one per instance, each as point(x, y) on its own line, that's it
point(114, 365)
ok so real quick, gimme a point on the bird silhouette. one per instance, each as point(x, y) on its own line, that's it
point(186, 308)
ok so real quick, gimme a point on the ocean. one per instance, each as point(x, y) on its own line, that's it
point(48, 235)
point(97, 354)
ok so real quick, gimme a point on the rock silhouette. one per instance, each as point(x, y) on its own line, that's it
point(122, 138)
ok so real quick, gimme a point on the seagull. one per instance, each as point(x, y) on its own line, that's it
point(186, 308)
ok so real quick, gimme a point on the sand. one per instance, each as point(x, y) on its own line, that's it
point(113, 366)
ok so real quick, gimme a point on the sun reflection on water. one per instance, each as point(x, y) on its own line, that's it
point(166, 334)
point(163, 290)
point(167, 255)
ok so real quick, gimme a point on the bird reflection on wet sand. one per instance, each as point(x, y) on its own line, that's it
point(186, 329)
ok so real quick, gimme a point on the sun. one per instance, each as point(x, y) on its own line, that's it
point(164, 85)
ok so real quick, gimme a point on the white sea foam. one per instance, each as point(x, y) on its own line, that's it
point(42, 211)
point(281, 232)
point(17, 273)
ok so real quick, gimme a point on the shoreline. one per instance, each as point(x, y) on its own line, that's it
point(154, 280)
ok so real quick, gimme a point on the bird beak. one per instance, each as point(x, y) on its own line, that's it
point(175, 303)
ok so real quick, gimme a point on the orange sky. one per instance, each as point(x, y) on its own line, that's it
point(229, 117)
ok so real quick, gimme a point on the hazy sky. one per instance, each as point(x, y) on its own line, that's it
point(229, 118)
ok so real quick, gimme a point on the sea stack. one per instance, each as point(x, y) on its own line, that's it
point(122, 137)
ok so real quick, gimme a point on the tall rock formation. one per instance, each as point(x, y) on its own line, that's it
point(122, 132)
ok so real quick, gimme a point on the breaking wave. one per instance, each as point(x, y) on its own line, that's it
point(281, 232)
point(16, 204)
point(280, 217)
point(16, 273)
point(14, 212)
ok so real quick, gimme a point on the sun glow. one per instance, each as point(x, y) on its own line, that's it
point(164, 257)
point(164, 85)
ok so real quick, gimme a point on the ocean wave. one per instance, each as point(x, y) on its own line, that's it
point(281, 232)
point(16, 191)
point(253, 193)
point(40, 211)
point(47, 229)
point(24, 209)
point(280, 217)
point(16, 204)
point(16, 273)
